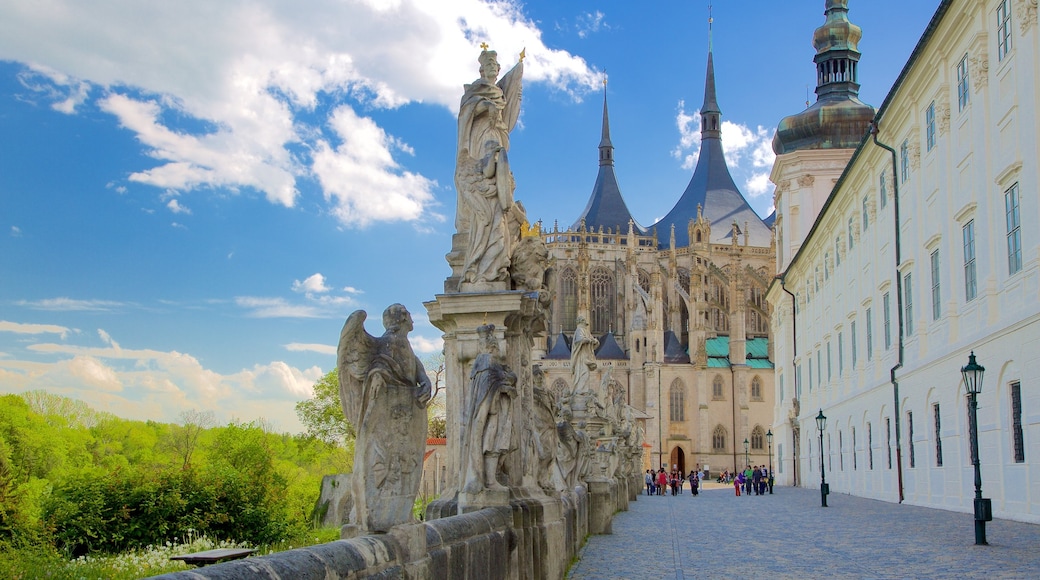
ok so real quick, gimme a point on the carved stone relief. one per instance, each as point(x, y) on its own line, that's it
point(806, 180)
point(1025, 13)
point(979, 70)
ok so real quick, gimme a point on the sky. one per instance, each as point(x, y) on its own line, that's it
point(194, 195)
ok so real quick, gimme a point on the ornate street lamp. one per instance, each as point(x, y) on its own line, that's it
point(769, 440)
point(821, 424)
point(746, 461)
point(972, 375)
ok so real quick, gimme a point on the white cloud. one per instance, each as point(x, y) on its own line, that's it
point(20, 328)
point(252, 76)
point(16, 232)
point(591, 22)
point(276, 308)
point(107, 339)
point(758, 184)
point(176, 207)
point(424, 345)
point(352, 290)
point(314, 283)
point(310, 347)
point(150, 384)
point(70, 304)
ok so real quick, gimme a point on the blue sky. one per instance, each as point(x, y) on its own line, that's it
point(195, 195)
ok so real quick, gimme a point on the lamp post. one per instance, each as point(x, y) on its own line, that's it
point(769, 474)
point(746, 461)
point(972, 375)
point(821, 424)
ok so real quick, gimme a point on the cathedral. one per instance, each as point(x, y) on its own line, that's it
point(678, 308)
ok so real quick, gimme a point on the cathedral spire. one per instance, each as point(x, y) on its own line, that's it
point(711, 122)
point(606, 148)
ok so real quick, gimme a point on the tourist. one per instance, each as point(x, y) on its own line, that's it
point(747, 480)
point(738, 482)
point(649, 483)
point(694, 482)
point(756, 480)
point(662, 481)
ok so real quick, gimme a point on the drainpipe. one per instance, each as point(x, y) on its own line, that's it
point(899, 306)
point(794, 356)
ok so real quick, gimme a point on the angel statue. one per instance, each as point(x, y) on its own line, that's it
point(384, 390)
point(487, 113)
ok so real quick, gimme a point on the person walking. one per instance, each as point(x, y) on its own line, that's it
point(747, 480)
point(649, 483)
point(756, 480)
point(662, 481)
point(694, 483)
point(738, 482)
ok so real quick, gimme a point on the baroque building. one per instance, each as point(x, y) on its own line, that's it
point(679, 309)
point(906, 240)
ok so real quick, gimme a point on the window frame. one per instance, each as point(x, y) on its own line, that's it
point(1013, 220)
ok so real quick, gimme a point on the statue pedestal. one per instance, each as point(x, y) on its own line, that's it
point(471, 502)
point(602, 505)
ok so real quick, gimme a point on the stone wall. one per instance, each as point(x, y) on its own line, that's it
point(515, 542)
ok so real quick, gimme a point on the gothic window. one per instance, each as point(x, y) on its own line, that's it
point(757, 318)
point(677, 399)
point(716, 388)
point(757, 438)
point(756, 389)
point(718, 439)
point(569, 298)
point(603, 297)
point(718, 301)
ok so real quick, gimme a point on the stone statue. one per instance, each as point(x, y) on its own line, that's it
point(543, 431)
point(488, 438)
point(583, 356)
point(384, 390)
point(487, 113)
point(573, 453)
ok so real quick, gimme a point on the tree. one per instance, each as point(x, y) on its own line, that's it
point(323, 414)
point(184, 438)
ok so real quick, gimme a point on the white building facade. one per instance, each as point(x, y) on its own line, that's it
point(898, 256)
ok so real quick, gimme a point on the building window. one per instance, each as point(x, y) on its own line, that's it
point(841, 452)
point(718, 439)
point(866, 215)
point(716, 388)
point(852, 242)
point(798, 381)
point(936, 294)
point(962, 83)
point(938, 435)
point(1018, 442)
point(810, 372)
point(1003, 29)
point(569, 298)
point(828, 360)
point(870, 447)
point(883, 188)
point(602, 295)
point(757, 438)
point(677, 398)
point(852, 342)
point(1014, 233)
point(819, 367)
point(888, 440)
point(781, 387)
point(910, 438)
point(970, 286)
point(837, 252)
point(908, 304)
point(841, 353)
point(887, 314)
point(756, 389)
point(826, 266)
point(929, 126)
point(559, 387)
point(904, 161)
point(854, 463)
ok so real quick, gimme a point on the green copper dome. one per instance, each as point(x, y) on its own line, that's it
point(838, 119)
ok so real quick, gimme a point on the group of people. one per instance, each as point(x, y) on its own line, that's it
point(752, 479)
point(657, 482)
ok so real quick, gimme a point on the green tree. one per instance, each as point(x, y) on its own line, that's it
point(322, 415)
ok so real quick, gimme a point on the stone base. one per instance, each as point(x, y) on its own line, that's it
point(471, 502)
point(349, 532)
point(602, 506)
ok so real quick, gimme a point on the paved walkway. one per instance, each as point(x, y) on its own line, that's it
point(788, 535)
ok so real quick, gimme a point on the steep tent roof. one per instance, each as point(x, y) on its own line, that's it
point(673, 349)
point(609, 349)
point(712, 192)
point(606, 208)
point(561, 350)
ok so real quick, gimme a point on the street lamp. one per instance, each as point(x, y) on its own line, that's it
point(746, 461)
point(972, 374)
point(769, 440)
point(821, 424)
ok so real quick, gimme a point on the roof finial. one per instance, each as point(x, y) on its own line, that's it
point(484, 45)
point(710, 20)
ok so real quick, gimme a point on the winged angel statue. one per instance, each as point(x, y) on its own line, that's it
point(384, 390)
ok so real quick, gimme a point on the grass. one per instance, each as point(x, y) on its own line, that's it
point(33, 563)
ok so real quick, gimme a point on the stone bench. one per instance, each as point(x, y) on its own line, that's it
point(213, 556)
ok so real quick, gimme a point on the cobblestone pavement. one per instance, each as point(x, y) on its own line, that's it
point(788, 535)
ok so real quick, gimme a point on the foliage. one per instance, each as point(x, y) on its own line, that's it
point(323, 415)
point(438, 427)
point(77, 483)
